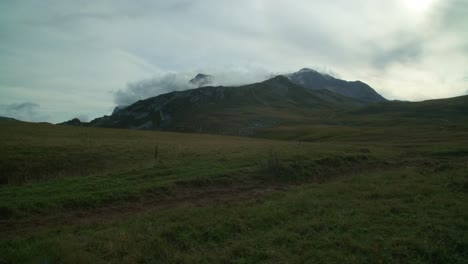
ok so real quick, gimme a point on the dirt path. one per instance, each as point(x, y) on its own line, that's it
point(179, 196)
point(183, 195)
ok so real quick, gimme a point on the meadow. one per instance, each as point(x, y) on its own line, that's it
point(297, 194)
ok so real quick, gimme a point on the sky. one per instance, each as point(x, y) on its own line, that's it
point(78, 58)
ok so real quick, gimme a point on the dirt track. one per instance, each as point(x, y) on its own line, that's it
point(183, 195)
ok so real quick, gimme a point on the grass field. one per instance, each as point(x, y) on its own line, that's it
point(309, 194)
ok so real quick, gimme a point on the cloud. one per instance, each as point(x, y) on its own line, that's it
point(151, 87)
point(169, 82)
point(68, 56)
point(25, 111)
point(406, 51)
point(83, 117)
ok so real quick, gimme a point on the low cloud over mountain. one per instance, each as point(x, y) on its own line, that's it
point(151, 87)
point(169, 82)
point(26, 111)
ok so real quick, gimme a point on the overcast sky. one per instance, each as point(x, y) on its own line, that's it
point(63, 59)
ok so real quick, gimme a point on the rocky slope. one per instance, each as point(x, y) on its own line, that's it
point(314, 80)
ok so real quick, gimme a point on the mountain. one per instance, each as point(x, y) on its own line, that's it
point(118, 108)
point(8, 119)
point(229, 110)
point(314, 80)
point(302, 98)
point(201, 80)
point(73, 122)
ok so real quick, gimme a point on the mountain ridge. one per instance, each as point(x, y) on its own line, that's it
point(314, 80)
point(180, 110)
point(243, 110)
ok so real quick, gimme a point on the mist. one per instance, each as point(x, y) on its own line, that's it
point(26, 111)
point(169, 82)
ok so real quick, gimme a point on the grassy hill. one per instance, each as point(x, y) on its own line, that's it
point(390, 121)
point(323, 193)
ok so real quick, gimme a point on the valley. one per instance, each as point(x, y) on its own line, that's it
point(362, 190)
point(243, 132)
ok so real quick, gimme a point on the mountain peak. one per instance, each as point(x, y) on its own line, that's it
point(304, 70)
point(278, 79)
point(73, 122)
point(201, 76)
point(314, 80)
point(201, 79)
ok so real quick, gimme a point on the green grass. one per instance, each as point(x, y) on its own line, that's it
point(389, 135)
point(347, 194)
point(37, 152)
point(401, 215)
point(112, 165)
point(96, 191)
